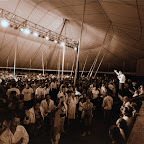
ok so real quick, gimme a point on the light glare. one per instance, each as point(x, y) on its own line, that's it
point(62, 44)
point(21, 29)
point(75, 48)
point(47, 38)
point(4, 23)
point(55, 41)
point(35, 34)
point(27, 31)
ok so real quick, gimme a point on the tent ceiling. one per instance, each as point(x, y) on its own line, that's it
point(124, 37)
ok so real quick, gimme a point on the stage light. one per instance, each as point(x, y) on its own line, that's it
point(16, 27)
point(43, 36)
point(11, 25)
point(35, 34)
point(75, 48)
point(4, 23)
point(47, 38)
point(55, 41)
point(62, 44)
point(27, 31)
point(21, 29)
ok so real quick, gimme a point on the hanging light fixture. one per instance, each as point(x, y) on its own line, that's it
point(28, 27)
point(4, 23)
point(35, 34)
point(75, 48)
point(21, 29)
point(26, 31)
point(55, 41)
point(62, 44)
point(47, 38)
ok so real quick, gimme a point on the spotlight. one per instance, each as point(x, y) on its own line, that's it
point(11, 25)
point(43, 36)
point(4, 23)
point(47, 38)
point(21, 29)
point(62, 44)
point(75, 48)
point(35, 34)
point(55, 41)
point(27, 31)
point(16, 27)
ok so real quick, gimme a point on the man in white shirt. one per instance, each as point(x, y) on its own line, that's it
point(8, 93)
point(15, 133)
point(122, 80)
point(39, 93)
point(48, 106)
point(28, 95)
point(107, 106)
point(103, 89)
point(88, 114)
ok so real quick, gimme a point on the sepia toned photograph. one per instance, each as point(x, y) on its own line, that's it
point(71, 71)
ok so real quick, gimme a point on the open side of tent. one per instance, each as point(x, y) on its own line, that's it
point(114, 27)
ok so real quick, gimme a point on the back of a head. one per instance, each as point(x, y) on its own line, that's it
point(128, 111)
point(14, 84)
point(122, 123)
point(115, 135)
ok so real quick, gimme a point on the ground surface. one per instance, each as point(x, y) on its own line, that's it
point(73, 134)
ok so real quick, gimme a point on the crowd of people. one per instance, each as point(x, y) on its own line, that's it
point(33, 105)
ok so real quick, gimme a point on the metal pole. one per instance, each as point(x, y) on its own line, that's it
point(42, 63)
point(84, 66)
point(59, 65)
point(15, 62)
point(79, 44)
point(8, 62)
point(30, 66)
point(63, 60)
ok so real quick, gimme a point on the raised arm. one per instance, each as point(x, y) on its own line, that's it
point(116, 72)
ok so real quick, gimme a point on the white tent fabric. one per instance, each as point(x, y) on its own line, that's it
point(123, 43)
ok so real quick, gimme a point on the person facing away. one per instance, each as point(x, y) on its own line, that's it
point(87, 109)
point(13, 89)
point(107, 106)
point(115, 135)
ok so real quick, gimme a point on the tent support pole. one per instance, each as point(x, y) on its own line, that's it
point(77, 62)
point(84, 66)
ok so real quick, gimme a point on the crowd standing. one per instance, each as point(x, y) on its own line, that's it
point(33, 105)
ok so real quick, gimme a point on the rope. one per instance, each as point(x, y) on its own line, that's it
point(104, 53)
point(91, 68)
point(84, 66)
point(95, 61)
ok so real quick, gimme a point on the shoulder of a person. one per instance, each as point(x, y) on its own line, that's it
point(91, 104)
point(41, 109)
point(51, 101)
point(20, 127)
point(31, 110)
point(43, 101)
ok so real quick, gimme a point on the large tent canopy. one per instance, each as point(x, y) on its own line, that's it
point(112, 27)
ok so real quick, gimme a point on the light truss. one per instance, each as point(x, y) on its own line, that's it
point(20, 23)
